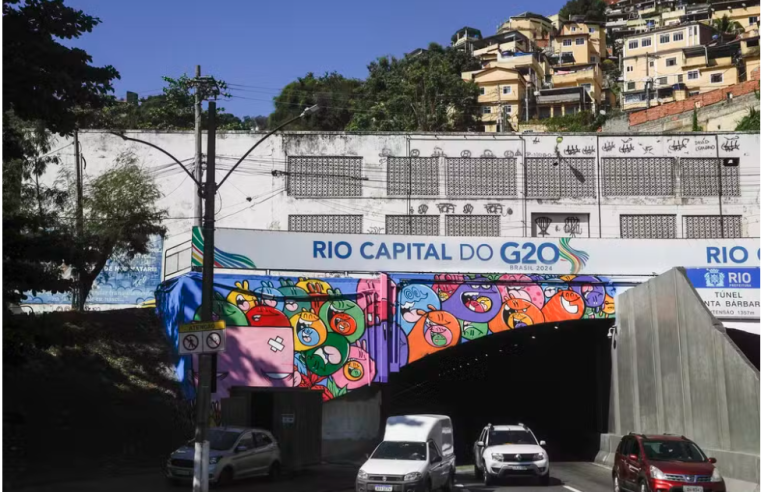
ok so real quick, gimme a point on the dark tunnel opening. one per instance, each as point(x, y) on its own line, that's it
point(554, 378)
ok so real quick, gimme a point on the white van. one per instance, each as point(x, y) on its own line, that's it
point(417, 454)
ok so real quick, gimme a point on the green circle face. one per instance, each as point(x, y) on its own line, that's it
point(344, 317)
point(328, 357)
point(471, 330)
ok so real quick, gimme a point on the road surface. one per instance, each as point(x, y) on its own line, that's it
point(566, 477)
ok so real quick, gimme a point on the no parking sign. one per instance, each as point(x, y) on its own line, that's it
point(202, 338)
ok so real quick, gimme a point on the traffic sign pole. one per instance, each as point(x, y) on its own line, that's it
point(203, 391)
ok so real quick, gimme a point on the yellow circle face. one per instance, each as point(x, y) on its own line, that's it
point(308, 331)
point(353, 370)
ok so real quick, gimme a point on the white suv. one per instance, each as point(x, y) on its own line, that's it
point(510, 450)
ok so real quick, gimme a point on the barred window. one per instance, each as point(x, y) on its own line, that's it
point(549, 177)
point(338, 224)
point(472, 225)
point(709, 226)
point(638, 176)
point(700, 177)
point(324, 176)
point(412, 225)
point(480, 177)
point(648, 226)
point(422, 171)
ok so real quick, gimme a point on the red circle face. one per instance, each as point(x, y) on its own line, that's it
point(343, 323)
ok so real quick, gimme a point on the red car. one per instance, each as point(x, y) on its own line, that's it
point(665, 463)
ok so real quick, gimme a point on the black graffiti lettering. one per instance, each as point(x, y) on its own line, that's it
point(446, 208)
point(678, 145)
point(422, 209)
point(588, 150)
point(731, 144)
point(647, 149)
point(572, 150)
point(535, 140)
point(493, 208)
point(608, 146)
point(467, 209)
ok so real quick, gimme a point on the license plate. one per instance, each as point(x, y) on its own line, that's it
point(692, 488)
point(384, 488)
point(521, 467)
point(186, 473)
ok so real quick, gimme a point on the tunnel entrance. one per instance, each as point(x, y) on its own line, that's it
point(554, 378)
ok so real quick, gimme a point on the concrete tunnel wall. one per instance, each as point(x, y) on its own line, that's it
point(675, 370)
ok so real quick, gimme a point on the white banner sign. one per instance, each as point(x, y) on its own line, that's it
point(276, 250)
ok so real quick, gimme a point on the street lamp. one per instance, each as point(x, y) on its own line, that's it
point(208, 191)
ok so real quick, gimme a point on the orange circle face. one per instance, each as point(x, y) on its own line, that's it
point(353, 370)
point(344, 324)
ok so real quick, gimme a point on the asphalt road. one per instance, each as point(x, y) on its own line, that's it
point(566, 477)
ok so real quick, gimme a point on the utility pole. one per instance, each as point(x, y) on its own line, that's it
point(198, 205)
point(203, 391)
point(78, 301)
point(205, 361)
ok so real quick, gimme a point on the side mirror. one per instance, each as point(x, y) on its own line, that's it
point(542, 443)
point(712, 460)
point(480, 444)
point(241, 448)
point(436, 459)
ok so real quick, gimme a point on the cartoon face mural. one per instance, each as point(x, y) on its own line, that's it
point(590, 289)
point(446, 285)
point(261, 357)
point(563, 306)
point(242, 296)
point(343, 316)
point(609, 305)
point(434, 331)
point(516, 313)
point(328, 357)
point(308, 330)
point(359, 369)
point(521, 287)
point(414, 300)
point(269, 296)
point(472, 330)
point(224, 310)
point(316, 289)
point(476, 300)
point(262, 316)
point(295, 299)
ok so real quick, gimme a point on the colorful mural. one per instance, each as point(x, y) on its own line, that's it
point(337, 334)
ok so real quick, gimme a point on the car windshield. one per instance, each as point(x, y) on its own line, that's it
point(668, 450)
point(222, 440)
point(498, 437)
point(410, 451)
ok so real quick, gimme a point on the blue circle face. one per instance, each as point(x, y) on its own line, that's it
point(412, 299)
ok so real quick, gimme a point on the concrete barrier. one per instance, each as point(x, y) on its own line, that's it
point(675, 370)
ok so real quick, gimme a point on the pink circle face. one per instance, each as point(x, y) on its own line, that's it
point(523, 288)
point(437, 335)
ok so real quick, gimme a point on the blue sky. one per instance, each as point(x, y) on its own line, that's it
point(264, 45)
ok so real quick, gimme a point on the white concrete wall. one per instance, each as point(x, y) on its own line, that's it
point(254, 198)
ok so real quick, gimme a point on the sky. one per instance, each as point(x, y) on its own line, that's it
point(260, 46)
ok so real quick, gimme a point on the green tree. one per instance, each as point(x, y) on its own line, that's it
point(334, 94)
point(424, 92)
point(725, 25)
point(174, 109)
point(120, 216)
point(47, 82)
point(591, 9)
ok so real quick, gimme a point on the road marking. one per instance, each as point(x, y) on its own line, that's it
point(571, 488)
point(609, 468)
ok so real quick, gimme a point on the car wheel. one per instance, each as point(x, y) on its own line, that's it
point(477, 472)
point(488, 479)
point(274, 472)
point(616, 484)
point(449, 486)
point(544, 480)
point(226, 477)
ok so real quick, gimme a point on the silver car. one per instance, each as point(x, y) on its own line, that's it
point(234, 452)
